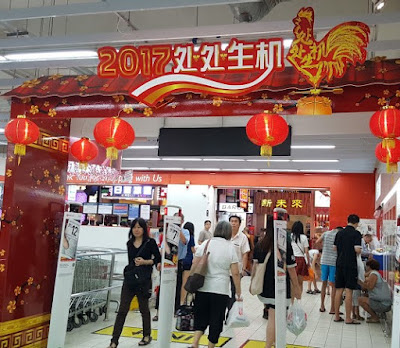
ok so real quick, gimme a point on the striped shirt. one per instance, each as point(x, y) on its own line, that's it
point(329, 255)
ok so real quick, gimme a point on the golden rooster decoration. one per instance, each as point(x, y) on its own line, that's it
point(315, 60)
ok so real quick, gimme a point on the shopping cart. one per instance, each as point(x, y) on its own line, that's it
point(92, 286)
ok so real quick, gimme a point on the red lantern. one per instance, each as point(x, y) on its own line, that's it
point(114, 134)
point(390, 156)
point(267, 130)
point(21, 132)
point(84, 150)
point(385, 124)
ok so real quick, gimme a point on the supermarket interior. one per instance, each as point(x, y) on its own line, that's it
point(136, 134)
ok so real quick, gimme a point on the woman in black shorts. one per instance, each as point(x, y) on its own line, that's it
point(187, 261)
point(268, 295)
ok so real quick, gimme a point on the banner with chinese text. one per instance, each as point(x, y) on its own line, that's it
point(295, 203)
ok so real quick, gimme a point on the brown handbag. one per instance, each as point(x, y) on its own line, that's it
point(198, 273)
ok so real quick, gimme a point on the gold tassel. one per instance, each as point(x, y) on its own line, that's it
point(83, 165)
point(112, 153)
point(266, 150)
point(20, 150)
point(388, 143)
point(391, 168)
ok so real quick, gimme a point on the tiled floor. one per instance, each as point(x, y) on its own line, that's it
point(321, 331)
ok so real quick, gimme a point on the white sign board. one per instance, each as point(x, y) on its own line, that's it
point(64, 279)
point(233, 208)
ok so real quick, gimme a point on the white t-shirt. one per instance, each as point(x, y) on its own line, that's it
point(222, 256)
point(313, 253)
point(241, 244)
point(299, 248)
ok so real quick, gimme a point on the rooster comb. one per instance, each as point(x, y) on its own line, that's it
point(307, 13)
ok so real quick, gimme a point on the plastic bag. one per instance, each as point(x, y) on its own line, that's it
point(360, 268)
point(236, 317)
point(296, 318)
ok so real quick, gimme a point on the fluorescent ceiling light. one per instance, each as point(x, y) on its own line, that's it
point(203, 169)
point(1, 130)
point(140, 159)
point(391, 192)
point(287, 43)
point(166, 168)
point(268, 160)
point(316, 161)
point(147, 147)
point(321, 170)
point(32, 56)
point(224, 159)
point(379, 5)
point(224, 46)
point(2, 58)
point(240, 170)
point(279, 170)
point(135, 168)
point(181, 159)
point(313, 146)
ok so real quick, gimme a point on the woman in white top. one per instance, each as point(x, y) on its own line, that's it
point(300, 251)
point(211, 300)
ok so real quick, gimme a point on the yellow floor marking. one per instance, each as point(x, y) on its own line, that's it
point(177, 336)
point(261, 344)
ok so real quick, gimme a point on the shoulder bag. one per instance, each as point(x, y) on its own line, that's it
point(257, 276)
point(137, 277)
point(198, 273)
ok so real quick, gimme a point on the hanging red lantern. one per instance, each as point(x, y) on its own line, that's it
point(267, 130)
point(84, 151)
point(385, 124)
point(389, 155)
point(114, 134)
point(21, 132)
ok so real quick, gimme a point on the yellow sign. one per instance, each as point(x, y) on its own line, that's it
point(261, 344)
point(177, 336)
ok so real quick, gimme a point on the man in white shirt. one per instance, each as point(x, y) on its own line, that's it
point(242, 248)
point(206, 234)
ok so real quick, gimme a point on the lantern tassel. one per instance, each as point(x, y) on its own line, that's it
point(20, 150)
point(83, 165)
point(391, 168)
point(266, 150)
point(388, 143)
point(112, 153)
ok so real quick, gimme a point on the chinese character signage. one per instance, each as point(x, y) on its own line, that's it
point(315, 60)
point(192, 67)
point(295, 203)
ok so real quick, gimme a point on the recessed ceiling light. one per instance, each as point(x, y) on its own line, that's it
point(320, 170)
point(315, 161)
point(33, 56)
point(268, 160)
point(313, 146)
point(223, 159)
point(144, 147)
point(181, 159)
point(140, 159)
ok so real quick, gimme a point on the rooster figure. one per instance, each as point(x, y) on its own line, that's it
point(315, 60)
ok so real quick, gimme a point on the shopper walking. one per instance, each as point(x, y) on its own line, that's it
point(300, 250)
point(267, 297)
point(187, 261)
point(143, 253)
point(206, 234)
point(348, 245)
point(211, 299)
point(242, 248)
point(328, 267)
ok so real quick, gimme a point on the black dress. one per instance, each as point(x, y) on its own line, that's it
point(268, 294)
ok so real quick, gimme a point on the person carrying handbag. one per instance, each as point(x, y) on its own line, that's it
point(212, 297)
point(143, 253)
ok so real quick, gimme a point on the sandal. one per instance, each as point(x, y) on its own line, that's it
point(155, 318)
point(317, 291)
point(339, 320)
point(373, 321)
point(145, 341)
point(113, 345)
point(309, 292)
point(322, 310)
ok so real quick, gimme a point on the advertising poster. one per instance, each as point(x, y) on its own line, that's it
point(280, 238)
point(169, 267)
point(69, 243)
point(244, 198)
point(64, 279)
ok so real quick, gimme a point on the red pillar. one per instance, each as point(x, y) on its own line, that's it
point(33, 206)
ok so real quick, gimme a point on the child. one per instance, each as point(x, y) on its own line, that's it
point(315, 256)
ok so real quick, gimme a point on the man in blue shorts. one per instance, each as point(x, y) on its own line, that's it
point(328, 267)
